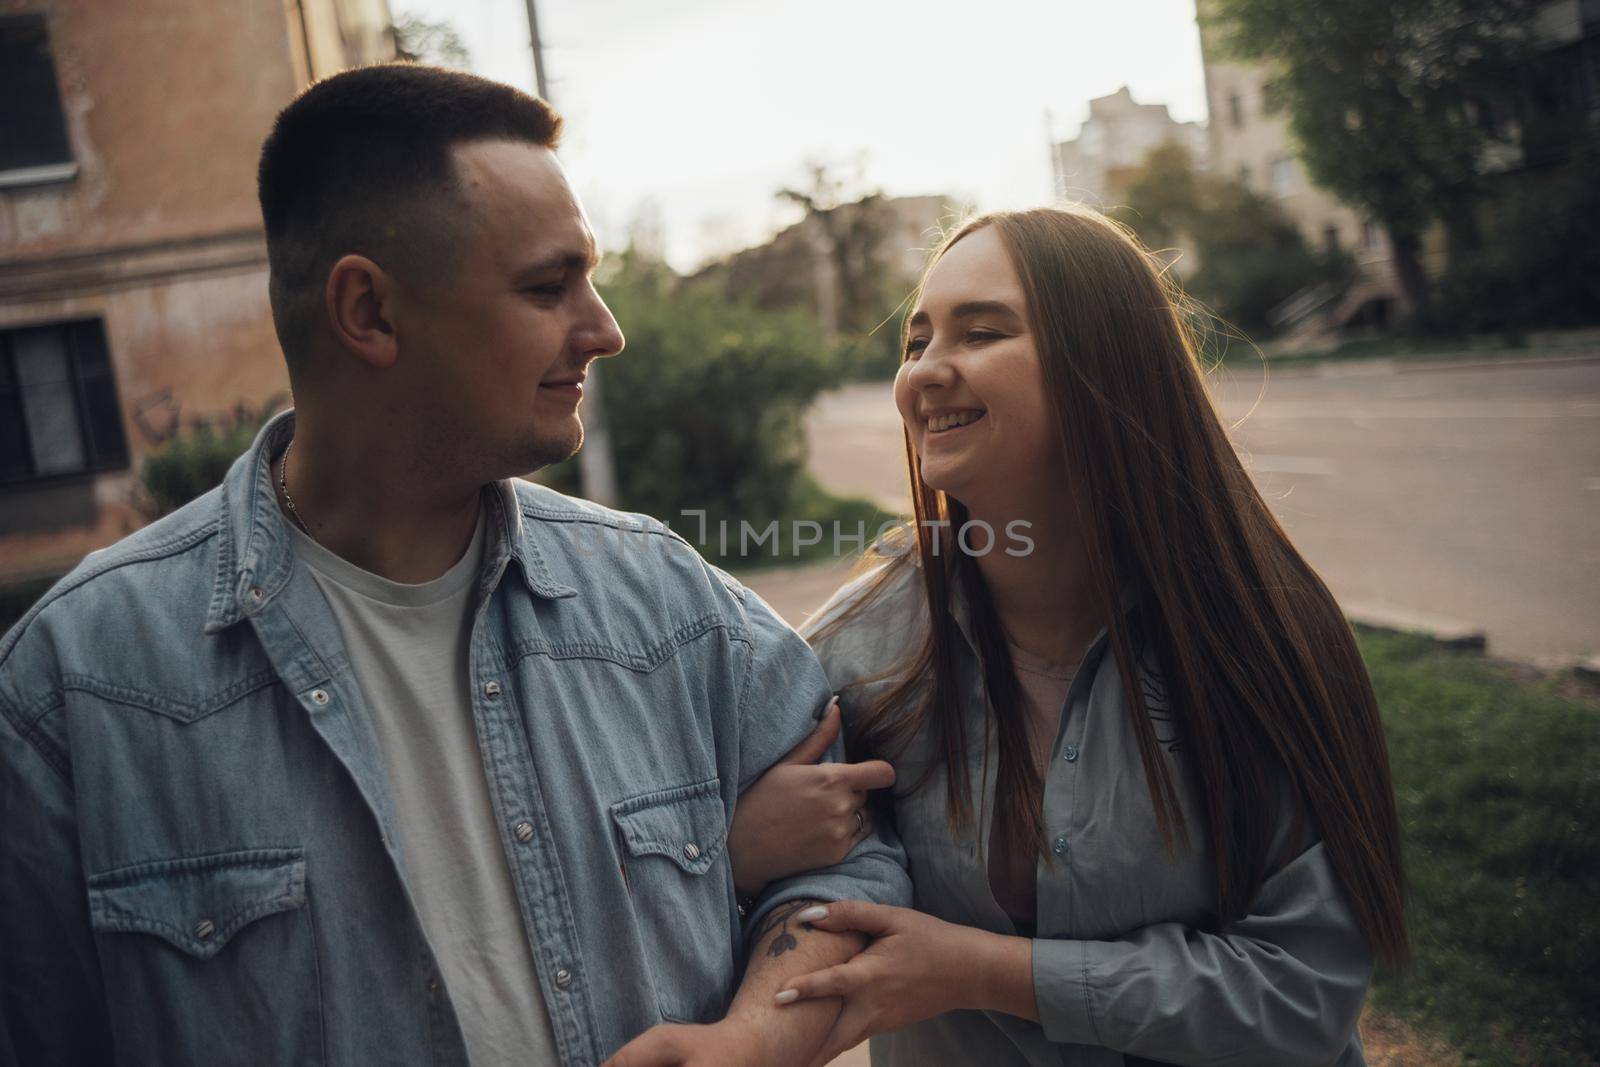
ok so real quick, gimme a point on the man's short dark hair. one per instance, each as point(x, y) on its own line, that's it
point(361, 163)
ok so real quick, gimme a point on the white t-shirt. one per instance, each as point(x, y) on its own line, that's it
point(408, 645)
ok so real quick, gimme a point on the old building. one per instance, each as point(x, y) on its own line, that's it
point(133, 275)
point(1539, 123)
point(1250, 142)
point(1119, 133)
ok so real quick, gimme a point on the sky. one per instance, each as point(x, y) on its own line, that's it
point(691, 114)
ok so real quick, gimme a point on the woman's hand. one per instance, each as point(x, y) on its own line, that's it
point(802, 814)
point(916, 967)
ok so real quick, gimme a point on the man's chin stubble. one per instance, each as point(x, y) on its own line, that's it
point(539, 454)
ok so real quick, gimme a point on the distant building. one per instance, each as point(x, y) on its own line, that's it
point(133, 273)
point(1112, 144)
point(1558, 101)
point(1250, 142)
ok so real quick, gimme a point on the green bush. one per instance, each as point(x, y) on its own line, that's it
point(195, 461)
point(705, 410)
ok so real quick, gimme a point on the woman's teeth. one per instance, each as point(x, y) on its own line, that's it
point(956, 418)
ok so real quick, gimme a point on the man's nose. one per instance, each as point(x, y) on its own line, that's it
point(601, 336)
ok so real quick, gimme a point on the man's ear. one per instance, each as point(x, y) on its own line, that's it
point(358, 295)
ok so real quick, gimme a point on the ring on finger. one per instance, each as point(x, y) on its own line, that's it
point(861, 823)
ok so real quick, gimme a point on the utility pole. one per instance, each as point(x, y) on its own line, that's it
point(597, 469)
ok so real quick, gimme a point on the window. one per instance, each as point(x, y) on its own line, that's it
point(1271, 96)
point(1285, 176)
point(1330, 238)
point(1235, 111)
point(58, 402)
point(33, 129)
point(1372, 234)
point(1244, 174)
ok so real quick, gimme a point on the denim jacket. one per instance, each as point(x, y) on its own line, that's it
point(200, 862)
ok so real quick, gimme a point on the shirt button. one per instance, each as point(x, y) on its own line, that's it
point(433, 985)
point(1070, 753)
point(1060, 846)
point(256, 594)
point(691, 851)
point(204, 929)
point(319, 696)
point(524, 831)
point(563, 978)
point(491, 689)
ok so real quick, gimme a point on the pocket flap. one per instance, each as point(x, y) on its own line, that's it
point(686, 824)
point(198, 903)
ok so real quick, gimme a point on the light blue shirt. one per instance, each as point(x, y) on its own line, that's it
point(199, 861)
point(1129, 963)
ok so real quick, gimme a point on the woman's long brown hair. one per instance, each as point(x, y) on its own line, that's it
point(1260, 669)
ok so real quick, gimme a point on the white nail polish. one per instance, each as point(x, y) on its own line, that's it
point(788, 996)
point(811, 915)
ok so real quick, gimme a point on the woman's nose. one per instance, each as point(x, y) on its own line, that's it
point(929, 372)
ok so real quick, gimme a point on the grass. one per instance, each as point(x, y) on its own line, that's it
point(810, 503)
point(1497, 779)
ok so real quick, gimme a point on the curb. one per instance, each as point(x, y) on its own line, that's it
point(1444, 632)
point(1378, 366)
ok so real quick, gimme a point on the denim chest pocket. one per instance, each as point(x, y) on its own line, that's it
point(681, 893)
point(213, 952)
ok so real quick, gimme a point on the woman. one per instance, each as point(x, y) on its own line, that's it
point(1202, 874)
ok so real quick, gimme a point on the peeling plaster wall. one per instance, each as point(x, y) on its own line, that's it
point(167, 102)
point(158, 234)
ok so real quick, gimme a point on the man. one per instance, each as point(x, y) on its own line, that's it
point(375, 753)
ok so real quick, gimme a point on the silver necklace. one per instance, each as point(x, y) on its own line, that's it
point(283, 484)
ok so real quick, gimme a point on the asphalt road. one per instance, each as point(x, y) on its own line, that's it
point(1448, 496)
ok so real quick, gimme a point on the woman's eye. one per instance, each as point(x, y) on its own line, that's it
point(915, 345)
point(980, 337)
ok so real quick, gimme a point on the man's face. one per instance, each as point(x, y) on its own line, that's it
point(493, 355)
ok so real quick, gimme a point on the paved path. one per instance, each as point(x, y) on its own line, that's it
point(1448, 495)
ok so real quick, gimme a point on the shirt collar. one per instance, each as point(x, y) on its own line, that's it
point(255, 556)
point(961, 609)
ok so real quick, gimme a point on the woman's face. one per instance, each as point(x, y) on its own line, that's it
point(972, 393)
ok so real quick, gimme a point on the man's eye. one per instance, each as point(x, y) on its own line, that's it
point(554, 289)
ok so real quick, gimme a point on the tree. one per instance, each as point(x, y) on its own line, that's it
point(1388, 100)
point(425, 40)
point(860, 294)
point(1246, 257)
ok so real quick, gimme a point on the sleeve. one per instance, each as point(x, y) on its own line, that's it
point(782, 698)
point(1282, 986)
point(51, 997)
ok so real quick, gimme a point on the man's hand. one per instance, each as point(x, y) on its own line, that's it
point(730, 1043)
point(802, 815)
point(916, 967)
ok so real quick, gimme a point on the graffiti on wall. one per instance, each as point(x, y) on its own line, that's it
point(159, 416)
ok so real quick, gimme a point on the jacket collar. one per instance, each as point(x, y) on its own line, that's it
point(255, 557)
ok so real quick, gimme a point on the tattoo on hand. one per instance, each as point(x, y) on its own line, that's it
point(779, 918)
